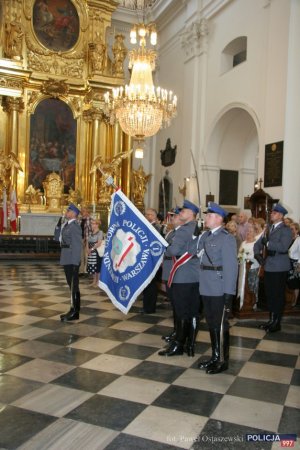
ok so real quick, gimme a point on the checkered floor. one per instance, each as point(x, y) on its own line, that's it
point(99, 383)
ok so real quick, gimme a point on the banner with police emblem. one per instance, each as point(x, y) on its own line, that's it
point(133, 253)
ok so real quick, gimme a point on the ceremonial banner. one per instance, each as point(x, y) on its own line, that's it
point(133, 253)
point(14, 212)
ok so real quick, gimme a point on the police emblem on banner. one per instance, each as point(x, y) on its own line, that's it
point(133, 253)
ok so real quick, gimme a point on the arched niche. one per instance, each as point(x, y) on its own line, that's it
point(52, 143)
point(233, 144)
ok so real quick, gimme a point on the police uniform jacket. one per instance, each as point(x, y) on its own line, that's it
point(277, 249)
point(218, 263)
point(167, 261)
point(188, 272)
point(71, 244)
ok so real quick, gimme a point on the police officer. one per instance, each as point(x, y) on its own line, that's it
point(150, 292)
point(276, 241)
point(217, 251)
point(167, 265)
point(71, 245)
point(184, 282)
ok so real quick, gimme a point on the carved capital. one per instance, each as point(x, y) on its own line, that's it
point(13, 104)
point(92, 114)
point(194, 38)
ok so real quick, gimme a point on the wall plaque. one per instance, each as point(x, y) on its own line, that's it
point(228, 187)
point(273, 164)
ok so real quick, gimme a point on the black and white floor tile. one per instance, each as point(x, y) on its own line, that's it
point(99, 383)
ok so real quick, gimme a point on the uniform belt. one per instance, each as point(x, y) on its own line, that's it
point(274, 252)
point(65, 246)
point(178, 256)
point(203, 267)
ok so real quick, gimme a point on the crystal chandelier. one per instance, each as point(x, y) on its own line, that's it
point(140, 107)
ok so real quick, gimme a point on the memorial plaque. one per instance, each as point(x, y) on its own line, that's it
point(273, 164)
point(228, 187)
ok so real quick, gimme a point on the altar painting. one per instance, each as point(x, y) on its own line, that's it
point(52, 143)
point(56, 24)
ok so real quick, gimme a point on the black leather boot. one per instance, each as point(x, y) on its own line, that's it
point(222, 363)
point(73, 314)
point(275, 325)
point(170, 337)
point(176, 347)
point(215, 354)
point(265, 326)
point(62, 316)
point(192, 334)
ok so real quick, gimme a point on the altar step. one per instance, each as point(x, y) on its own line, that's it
point(15, 246)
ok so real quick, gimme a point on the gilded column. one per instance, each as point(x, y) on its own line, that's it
point(13, 106)
point(93, 117)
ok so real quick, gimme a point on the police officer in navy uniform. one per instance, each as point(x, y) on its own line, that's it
point(167, 265)
point(217, 251)
point(71, 246)
point(184, 288)
point(276, 240)
point(150, 292)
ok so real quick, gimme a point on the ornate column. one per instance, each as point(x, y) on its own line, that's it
point(13, 106)
point(94, 117)
point(194, 41)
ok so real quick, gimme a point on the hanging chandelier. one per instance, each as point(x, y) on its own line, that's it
point(140, 107)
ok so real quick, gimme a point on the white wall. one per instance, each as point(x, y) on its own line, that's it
point(253, 95)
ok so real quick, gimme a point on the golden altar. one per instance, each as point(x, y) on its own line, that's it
point(54, 69)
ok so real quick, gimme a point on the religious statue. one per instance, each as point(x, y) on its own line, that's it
point(119, 52)
point(33, 196)
point(9, 164)
point(109, 170)
point(98, 54)
point(139, 186)
point(74, 196)
point(14, 40)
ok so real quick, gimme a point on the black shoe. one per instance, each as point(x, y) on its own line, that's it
point(62, 316)
point(217, 367)
point(170, 337)
point(203, 365)
point(274, 328)
point(74, 315)
point(175, 348)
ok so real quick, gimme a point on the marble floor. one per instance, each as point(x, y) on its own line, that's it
point(99, 383)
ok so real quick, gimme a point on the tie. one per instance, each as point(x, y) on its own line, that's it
point(272, 228)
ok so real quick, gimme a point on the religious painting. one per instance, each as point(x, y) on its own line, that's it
point(52, 143)
point(56, 24)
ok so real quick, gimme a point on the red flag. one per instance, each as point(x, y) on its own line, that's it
point(3, 218)
point(14, 212)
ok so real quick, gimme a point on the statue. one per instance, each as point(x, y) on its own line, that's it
point(74, 196)
point(9, 164)
point(98, 54)
point(14, 40)
point(119, 52)
point(139, 185)
point(109, 170)
point(33, 197)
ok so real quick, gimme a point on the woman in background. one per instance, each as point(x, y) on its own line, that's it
point(293, 281)
point(93, 259)
point(232, 227)
point(246, 254)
